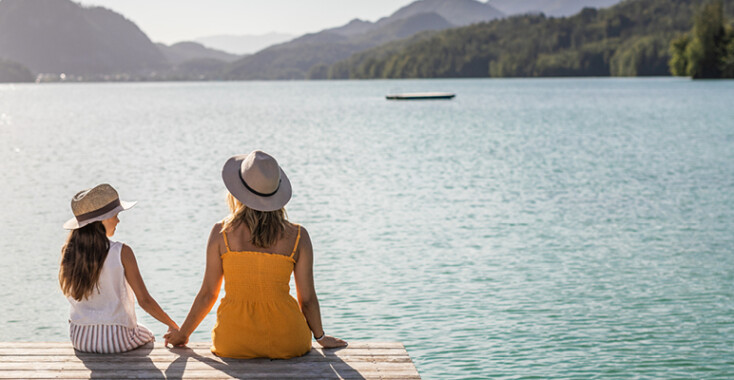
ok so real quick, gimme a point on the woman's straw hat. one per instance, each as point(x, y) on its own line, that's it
point(96, 204)
point(257, 181)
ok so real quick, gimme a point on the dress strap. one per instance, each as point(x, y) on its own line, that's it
point(226, 243)
point(298, 238)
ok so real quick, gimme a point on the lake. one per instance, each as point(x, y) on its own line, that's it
point(556, 228)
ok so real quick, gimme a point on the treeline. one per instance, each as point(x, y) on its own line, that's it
point(630, 39)
point(707, 52)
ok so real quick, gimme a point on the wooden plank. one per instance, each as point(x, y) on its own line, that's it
point(197, 375)
point(361, 360)
point(195, 345)
point(195, 364)
point(165, 359)
point(71, 352)
point(177, 372)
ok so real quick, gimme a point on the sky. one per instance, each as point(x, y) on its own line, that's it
point(171, 21)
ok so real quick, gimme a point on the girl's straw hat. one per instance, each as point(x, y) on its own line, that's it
point(96, 204)
point(257, 181)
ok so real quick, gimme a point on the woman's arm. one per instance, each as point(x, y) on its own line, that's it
point(307, 292)
point(208, 293)
point(145, 300)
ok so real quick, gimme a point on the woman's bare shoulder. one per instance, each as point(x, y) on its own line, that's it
point(304, 234)
point(304, 241)
point(295, 228)
point(215, 236)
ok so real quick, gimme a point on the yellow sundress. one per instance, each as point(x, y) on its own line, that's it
point(258, 317)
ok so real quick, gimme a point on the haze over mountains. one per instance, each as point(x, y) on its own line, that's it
point(59, 36)
point(248, 44)
point(243, 44)
point(95, 43)
point(296, 59)
point(187, 51)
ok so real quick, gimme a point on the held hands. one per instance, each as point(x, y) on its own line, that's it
point(175, 337)
point(331, 342)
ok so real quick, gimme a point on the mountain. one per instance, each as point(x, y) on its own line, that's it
point(243, 44)
point(555, 8)
point(631, 38)
point(403, 27)
point(60, 36)
point(294, 60)
point(297, 58)
point(353, 28)
point(457, 12)
point(187, 51)
point(13, 72)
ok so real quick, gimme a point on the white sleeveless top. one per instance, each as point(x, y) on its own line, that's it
point(112, 302)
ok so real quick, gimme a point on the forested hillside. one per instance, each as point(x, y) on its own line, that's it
point(556, 8)
point(629, 39)
point(707, 51)
point(309, 56)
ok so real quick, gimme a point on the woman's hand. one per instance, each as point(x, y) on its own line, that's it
point(176, 338)
point(331, 342)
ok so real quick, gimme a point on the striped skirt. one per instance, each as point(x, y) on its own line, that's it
point(108, 339)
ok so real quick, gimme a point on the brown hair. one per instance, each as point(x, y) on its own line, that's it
point(82, 258)
point(266, 227)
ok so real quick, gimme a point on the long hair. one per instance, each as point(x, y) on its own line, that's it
point(266, 227)
point(82, 258)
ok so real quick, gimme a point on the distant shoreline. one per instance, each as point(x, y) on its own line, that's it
point(333, 80)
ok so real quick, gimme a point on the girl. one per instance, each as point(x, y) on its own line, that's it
point(101, 278)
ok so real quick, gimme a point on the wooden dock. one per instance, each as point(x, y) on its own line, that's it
point(366, 360)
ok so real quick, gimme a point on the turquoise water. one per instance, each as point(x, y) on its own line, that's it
point(548, 228)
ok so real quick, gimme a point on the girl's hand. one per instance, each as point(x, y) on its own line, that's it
point(331, 342)
point(176, 338)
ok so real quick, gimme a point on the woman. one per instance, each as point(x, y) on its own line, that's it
point(255, 249)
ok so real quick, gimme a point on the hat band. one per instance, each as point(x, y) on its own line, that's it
point(99, 212)
point(257, 192)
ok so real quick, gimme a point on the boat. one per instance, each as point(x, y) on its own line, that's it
point(421, 96)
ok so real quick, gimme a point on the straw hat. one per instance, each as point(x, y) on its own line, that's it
point(257, 181)
point(96, 204)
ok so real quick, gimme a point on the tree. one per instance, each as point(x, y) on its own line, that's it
point(727, 69)
point(320, 71)
point(642, 56)
point(705, 52)
point(678, 60)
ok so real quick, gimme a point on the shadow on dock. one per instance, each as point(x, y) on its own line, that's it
point(325, 365)
point(55, 360)
point(99, 364)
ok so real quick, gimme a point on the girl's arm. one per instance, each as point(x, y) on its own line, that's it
point(208, 293)
point(306, 291)
point(145, 300)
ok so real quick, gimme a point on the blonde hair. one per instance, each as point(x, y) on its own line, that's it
point(266, 227)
